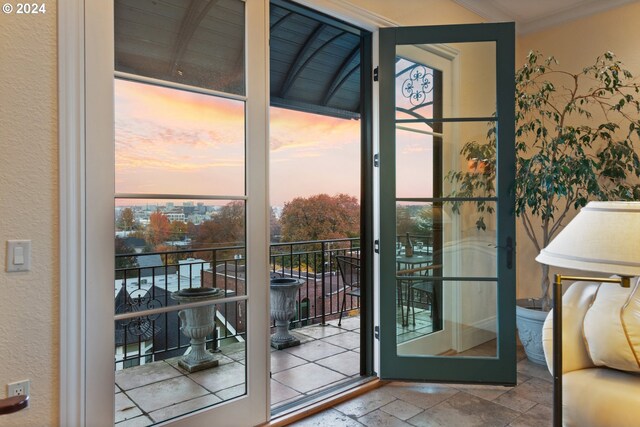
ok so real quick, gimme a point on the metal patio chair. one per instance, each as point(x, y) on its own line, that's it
point(349, 268)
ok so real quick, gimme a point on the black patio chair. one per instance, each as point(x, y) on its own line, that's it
point(349, 268)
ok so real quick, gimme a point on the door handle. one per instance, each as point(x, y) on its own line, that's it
point(509, 253)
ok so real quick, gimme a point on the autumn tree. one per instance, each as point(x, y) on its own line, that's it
point(159, 228)
point(320, 217)
point(126, 220)
point(179, 230)
point(226, 227)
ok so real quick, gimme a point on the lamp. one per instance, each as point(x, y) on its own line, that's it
point(604, 237)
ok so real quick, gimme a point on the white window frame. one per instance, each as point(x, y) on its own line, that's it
point(86, 211)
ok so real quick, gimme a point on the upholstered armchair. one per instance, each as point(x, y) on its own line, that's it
point(601, 355)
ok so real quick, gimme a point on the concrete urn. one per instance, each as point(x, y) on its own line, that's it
point(196, 323)
point(283, 306)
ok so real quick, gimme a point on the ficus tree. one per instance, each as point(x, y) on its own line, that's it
point(575, 136)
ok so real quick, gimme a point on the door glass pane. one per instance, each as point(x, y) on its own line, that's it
point(452, 239)
point(171, 141)
point(456, 160)
point(470, 91)
point(194, 43)
point(176, 244)
point(171, 364)
point(466, 307)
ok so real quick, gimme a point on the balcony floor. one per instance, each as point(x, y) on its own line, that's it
point(154, 392)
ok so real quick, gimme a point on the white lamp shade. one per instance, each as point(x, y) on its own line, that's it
point(604, 237)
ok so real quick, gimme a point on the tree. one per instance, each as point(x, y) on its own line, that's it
point(575, 135)
point(159, 229)
point(179, 230)
point(121, 248)
point(320, 217)
point(126, 219)
point(226, 227)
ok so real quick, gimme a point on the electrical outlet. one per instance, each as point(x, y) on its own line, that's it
point(19, 388)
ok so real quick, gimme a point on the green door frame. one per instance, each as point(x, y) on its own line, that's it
point(494, 370)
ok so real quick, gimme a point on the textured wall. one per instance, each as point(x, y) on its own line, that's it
point(29, 210)
point(575, 45)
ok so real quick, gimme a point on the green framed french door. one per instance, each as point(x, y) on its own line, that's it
point(447, 164)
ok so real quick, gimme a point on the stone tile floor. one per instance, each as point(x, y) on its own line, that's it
point(329, 355)
point(397, 404)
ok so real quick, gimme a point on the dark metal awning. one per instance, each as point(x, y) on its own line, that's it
point(315, 61)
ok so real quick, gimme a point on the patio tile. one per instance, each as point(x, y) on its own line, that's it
point(125, 408)
point(366, 403)
point(465, 410)
point(533, 370)
point(221, 377)
point(328, 418)
point(307, 377)
point(232, 392)
point(280, 392)
point(142, 375)
point(421, 395)
point(487, 392)
point(347, 363)
point(165, 393)
point(347, 340)
point(315, 350)
point(233, 348)
point(401, 409)
point(378, 418)
point(319, 331)
point(513, 401)
point(238, 356)
point(350, 323)
point(184, 408)
point(536, 390)
point(142, 421)
point(539, 415)
point(281, 360)
point(221, 358)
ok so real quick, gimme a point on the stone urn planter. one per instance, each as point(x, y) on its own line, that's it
point(196, 323)
point(529, 320)
point(283, 305)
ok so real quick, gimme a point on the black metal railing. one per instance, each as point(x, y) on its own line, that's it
point(145, 281)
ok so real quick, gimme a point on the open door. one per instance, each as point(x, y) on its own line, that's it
point(447, 162)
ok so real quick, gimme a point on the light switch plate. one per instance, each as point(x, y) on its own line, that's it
point(18, 255)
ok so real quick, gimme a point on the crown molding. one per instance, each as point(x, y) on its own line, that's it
point(569, 14)
point(488, 9)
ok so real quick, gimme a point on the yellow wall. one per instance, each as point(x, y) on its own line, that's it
point(29, 307)
point(575, 45)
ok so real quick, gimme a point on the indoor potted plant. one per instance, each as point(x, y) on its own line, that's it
point(575, 135)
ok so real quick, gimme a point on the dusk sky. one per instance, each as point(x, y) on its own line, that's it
point(177, 142)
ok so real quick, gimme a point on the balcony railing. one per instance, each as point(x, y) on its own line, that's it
point(145, 281)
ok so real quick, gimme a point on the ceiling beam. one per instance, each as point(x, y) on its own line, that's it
point(299, 61)
point(342, 75)
point(194, 14)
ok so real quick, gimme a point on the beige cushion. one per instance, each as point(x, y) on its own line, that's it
point(612, 327)
point(600, 398)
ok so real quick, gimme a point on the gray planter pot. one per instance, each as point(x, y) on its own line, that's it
point(529, 322)
point(283, 306)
